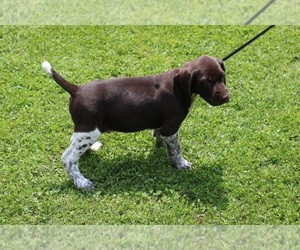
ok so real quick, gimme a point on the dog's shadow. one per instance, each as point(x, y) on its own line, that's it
point(152, 173)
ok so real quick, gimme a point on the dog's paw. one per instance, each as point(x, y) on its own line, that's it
point(185, 165)
point(96, 146)
point(85, 184)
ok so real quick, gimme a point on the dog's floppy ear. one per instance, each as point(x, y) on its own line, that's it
point(183, 84)
point(221, 64)
point(223, 68)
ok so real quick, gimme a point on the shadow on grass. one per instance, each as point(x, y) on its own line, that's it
point(153, 174)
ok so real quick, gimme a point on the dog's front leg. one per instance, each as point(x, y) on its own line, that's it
point(159, 142)
point(174, 151)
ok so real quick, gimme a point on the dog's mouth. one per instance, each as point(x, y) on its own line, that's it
point(217, 101)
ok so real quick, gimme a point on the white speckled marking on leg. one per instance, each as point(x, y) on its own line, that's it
point(80, 143)
point(174, 151)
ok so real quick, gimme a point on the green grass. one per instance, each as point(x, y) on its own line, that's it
point(146, 12)
point(245, 154)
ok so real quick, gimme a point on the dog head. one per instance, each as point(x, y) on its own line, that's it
point(204, 76)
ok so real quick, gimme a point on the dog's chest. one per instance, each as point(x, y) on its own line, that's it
point(192, 102)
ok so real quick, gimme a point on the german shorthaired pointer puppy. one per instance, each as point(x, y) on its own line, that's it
point(160, 102)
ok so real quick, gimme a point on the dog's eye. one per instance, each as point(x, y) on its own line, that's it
point(208, 83)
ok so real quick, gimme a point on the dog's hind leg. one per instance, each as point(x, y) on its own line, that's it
point(80, 143)
point(174, 151)
point(95, 147)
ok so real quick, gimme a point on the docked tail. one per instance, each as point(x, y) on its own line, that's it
point(67, 86)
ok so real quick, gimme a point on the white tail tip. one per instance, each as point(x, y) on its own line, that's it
point(47, 67)
point(96, 146)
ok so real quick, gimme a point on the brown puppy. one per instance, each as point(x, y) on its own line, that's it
point(160, 102)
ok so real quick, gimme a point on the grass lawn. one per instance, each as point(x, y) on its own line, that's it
point(245, 154)
point(130, 12)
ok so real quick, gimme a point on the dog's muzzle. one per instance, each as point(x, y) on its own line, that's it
point(218, 100)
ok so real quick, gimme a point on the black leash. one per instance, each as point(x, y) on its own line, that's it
point(259, 12)
point(247, 43)
point(257, 36)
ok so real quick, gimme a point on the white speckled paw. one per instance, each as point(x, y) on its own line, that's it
point(185, 165)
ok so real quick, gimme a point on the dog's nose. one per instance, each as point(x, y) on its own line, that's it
point(225, 98)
